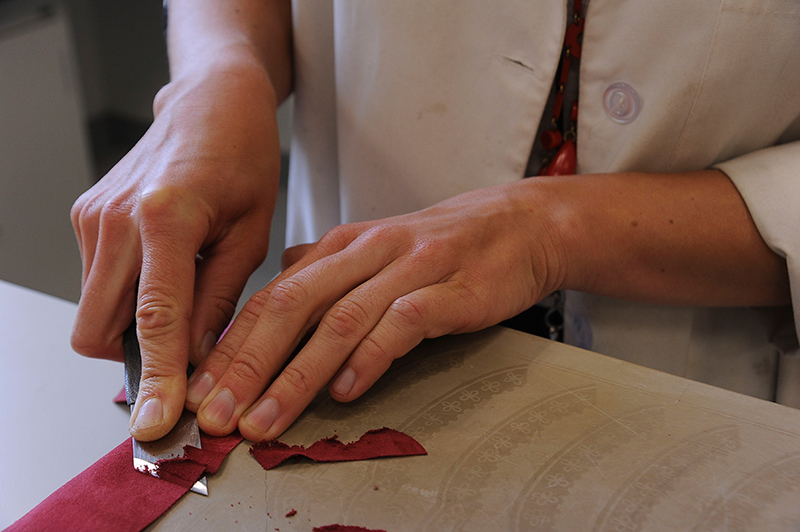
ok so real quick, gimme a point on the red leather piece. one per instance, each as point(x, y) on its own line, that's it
point(112, 495)
point(374, 444)
point(109, 495)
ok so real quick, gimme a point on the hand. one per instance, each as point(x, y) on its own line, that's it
point(187, 212)
point(374, 290)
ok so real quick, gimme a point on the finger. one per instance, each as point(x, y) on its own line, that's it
point(219, 282)
point(109, 292)
point(213, 366)
point(429, 312)
point(339, 332)
point(210, 369)
point(237, 332)
point(171, 237)
point(75, 218)
point(99, 206)
point(289, 307)
point(85, 215)
point(208, 372)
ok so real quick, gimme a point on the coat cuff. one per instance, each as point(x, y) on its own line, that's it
point(769, 182)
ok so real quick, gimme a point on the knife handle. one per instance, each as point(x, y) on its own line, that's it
point(133, 363)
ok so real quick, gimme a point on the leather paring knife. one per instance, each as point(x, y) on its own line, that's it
point(186, 432)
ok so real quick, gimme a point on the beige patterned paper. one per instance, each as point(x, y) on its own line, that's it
point(525, 434)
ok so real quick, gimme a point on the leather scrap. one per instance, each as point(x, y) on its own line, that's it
point(379, 443)
point(112, 495)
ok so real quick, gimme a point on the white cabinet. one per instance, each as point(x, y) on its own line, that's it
point(44, 154)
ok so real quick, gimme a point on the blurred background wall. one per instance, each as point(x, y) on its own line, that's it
point(77, 81)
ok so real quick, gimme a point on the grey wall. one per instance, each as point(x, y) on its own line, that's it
point(122, 55)
point(123, 59)
point(94, 58)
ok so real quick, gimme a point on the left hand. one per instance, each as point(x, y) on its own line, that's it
point(374, 290)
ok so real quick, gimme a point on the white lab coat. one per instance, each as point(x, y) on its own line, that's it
point(399, 105)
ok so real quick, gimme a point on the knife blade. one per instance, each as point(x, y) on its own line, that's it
point(185, 432)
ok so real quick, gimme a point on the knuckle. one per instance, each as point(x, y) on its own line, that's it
point(427, 246)
point(336, 238)
point(247, 367)
point(84, 200)
point(89, 345)
point(347, 318)
point(224, 305)
point(471, 288)
point(159, 373)
point(290, 293)
point(164, 208)
point(467, 315)
point(407, 313)
point(156, 203)
point(223, 354)
point(115, 217)
point(251, 310)
point(260, 298)
point(257, 301)
point(299, 378)
point(156, 316)
point(340, 237)
point(85, 212)
point(375, 352)
point(431, 252)
point(114, 211)
point(75, 212)
point(160, 99)
point(383, 234)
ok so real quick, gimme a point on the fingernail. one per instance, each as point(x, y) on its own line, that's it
point(344, 382)
point(209, 341)
point(150, 413)
point(263, 416)
point(220, 409)
point(199, 388)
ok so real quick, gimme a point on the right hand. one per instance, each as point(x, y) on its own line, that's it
point(201, 182)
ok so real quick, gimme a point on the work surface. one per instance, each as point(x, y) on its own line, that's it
point(522, 434)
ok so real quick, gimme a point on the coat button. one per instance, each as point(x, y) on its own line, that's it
point(622, 102)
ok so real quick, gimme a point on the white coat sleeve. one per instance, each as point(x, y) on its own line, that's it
point(769, 182)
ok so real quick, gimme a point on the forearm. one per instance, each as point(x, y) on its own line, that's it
point(247, 38)
point(684, 238)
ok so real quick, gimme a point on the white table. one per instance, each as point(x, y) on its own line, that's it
point(57, 414)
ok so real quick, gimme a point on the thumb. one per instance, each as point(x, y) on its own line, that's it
point(162, 387)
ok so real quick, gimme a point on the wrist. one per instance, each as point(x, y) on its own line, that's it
point(549, 223)
point(228, 76)
point(223, 112)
